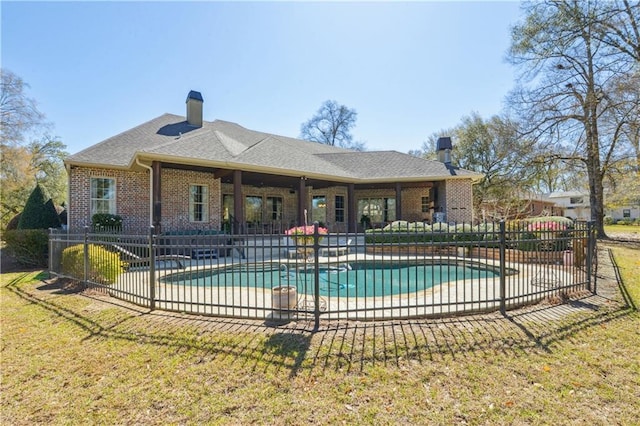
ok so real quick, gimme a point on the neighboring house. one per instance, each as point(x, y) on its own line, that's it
point(574, 204)
point(529, 205)
point(192, 174)
point(624, 212)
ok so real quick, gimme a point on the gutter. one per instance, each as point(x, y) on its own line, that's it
point(150, 189)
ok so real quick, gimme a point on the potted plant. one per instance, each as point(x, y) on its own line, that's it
point(303, 236)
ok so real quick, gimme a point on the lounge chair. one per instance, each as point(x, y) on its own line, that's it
point(341, 248)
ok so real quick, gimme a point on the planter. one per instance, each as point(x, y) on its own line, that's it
point(567, 258)
point(284, 297)
point(411, 250)
point(520, 256)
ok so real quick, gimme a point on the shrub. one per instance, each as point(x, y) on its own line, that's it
point(624, 222)
point(401, 231)
point(488, 231)
point(106, 222)
point(465, 232)
point(608, 220)
point(13, 223)
point(38, 213)
point(63, 216)
point(104, 266)
point(28, 246)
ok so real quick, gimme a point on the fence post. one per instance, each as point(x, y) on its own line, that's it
point(152, 270)
point(590, 251)
point(503, 278)
point(316, 277)
point(50, 252)
point(85, 278)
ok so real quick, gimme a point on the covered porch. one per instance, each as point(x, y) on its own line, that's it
point(251, 201)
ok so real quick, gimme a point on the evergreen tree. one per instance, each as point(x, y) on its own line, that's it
point(38, 213)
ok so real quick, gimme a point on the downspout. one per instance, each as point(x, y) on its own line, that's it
point(150, 190)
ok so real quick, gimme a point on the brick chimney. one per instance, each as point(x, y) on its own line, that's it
point(194, 108)
point(443, 148)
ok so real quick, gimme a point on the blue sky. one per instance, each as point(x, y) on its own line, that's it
point(409, 69)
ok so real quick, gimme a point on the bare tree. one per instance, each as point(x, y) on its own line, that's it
point(29, 155)
point(332, 125)
point(494, 148)
point(19, 114)
point(566, 70)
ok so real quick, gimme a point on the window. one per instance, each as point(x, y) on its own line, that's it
point(425, 204)
point(319, 208)
point(253, 209)
point(576, 200)
point(626, 213)
point(274, 207)
point(103, 196)
point(227, 207)
point(378, 209)
point(339, 208)
point(199, 203)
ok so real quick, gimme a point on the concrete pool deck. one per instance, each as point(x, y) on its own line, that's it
point(532, 283)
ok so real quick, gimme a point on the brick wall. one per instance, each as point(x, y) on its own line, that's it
point(132, 199)
point(458, 200)
point(132, 196)
point(175, 199)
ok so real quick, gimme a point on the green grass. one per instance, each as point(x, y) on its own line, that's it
point(72, 359)
point(613, 230)
point(628, 262)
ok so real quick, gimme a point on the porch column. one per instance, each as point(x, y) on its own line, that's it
point(156, 191)
point(302, 200)
point(352, 224)
point(238, 204)
point(398, 201)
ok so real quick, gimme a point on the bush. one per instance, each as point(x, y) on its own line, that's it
point(13, 223)
point(624, 222)
point(487, 231)
point(28, 246)
point(608, 220)
point(106, 222)
point(104, 266)
point(401, 231)
point(38, 213)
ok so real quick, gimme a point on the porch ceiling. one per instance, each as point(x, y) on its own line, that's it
point(292, 182)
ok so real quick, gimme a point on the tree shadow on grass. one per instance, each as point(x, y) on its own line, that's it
point(338, 345)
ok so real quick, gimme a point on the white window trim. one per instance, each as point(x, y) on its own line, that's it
point(206, 203)
point(112, 210)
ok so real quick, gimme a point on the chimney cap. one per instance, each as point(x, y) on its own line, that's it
point(444, 143)
point(197, 96)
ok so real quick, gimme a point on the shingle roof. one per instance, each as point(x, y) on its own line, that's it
point(222, 143)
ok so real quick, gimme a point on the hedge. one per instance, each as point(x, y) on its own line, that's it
point(28, 246)
point(104, 266)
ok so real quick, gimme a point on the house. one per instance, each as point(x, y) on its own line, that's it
point(574, 204)
point(523, 206)
point(627, 212)
point(177, 173)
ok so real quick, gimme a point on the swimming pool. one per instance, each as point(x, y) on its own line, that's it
point(355, 279)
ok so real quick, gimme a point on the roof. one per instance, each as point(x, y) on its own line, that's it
point(566, 194)
point(223, 144)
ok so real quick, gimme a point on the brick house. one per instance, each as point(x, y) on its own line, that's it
point(181, 174)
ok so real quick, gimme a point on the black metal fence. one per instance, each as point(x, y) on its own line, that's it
point(400, 272)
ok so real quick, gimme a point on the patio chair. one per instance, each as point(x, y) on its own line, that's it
point(340, 249)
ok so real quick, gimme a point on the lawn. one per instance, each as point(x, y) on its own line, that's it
point(615, 231)
point(78, 359)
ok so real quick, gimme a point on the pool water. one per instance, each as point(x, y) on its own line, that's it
point(363, 279)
